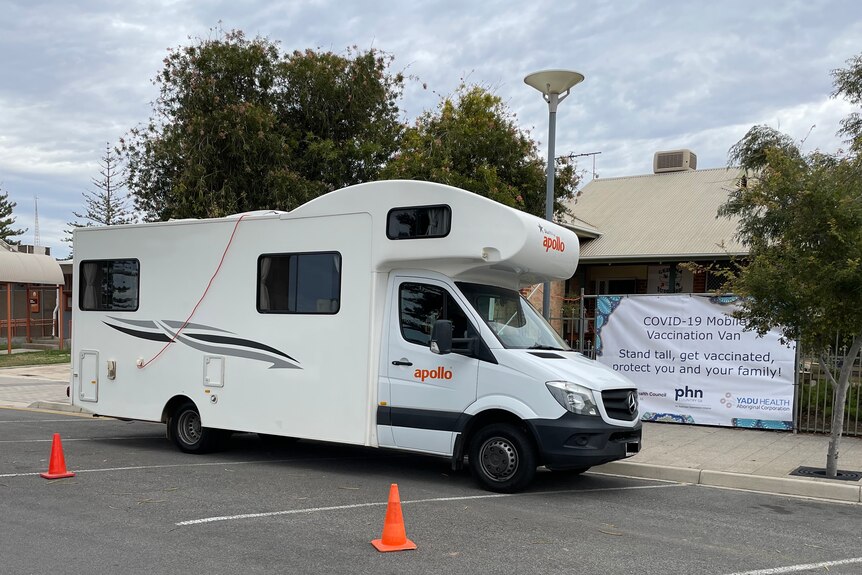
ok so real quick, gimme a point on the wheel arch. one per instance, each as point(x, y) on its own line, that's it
point(483, 419)
point(172, 405)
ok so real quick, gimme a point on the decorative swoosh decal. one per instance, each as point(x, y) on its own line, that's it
point(212, 342)
point(236, 341)
point(141, 334)
point(179, 324)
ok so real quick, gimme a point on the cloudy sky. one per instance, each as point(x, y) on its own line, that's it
point(660, 74)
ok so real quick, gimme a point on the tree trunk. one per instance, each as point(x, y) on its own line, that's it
point(839, 399)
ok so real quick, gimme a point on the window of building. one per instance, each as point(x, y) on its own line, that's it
point(616, 286)
point(299, 283)
point(109, 285)
point(421, 305)
point(418, 222)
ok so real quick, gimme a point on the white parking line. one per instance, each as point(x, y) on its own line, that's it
point(797, 568)
point(408, 502)
point(75, 419)
point(69, 440)
point(172, 465)
point(142, 467)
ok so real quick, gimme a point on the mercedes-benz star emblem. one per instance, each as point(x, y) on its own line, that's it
point(633, 402)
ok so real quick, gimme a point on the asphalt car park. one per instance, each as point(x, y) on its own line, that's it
point(137, 505)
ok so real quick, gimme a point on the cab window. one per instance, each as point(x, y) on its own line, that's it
point(421, 305)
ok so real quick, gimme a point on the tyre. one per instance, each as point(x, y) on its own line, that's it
point(502, 458)
point(187, 433)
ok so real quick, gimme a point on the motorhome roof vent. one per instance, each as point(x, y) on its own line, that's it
point(674, 161)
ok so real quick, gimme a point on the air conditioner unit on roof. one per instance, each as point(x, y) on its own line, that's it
point(674, 161)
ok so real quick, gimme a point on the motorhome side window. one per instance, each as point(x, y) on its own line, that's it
point(109, 285)
point(299, 283)
point(418, 222)
point(421, 305)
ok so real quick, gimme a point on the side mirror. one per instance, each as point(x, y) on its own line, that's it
point(441, 337)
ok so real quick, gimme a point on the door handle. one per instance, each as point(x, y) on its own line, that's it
point(402, 362)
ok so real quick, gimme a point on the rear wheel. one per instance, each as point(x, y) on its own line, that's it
point(187, 433)
point(502, 458)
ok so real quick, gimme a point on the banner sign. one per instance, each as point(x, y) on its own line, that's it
point(693, 363)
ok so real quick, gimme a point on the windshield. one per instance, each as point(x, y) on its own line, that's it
point(512, 319)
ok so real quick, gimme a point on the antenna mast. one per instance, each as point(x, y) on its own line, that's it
point(37, 241)
point(593, 154)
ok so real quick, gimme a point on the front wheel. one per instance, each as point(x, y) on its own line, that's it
point(187, 433)
point(502, 458)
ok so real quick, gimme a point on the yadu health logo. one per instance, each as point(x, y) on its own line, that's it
point(436, 373)
point(757, 403)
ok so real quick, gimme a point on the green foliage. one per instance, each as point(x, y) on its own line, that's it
point(801, 218)
point(7, 233)
point(472, 141)
point(239, 126)
point(342, 117)
point(848, 84)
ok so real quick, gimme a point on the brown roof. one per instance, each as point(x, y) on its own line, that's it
point(658, 216)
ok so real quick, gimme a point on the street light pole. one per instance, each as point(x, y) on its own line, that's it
point(553, 101)
point(554, 85)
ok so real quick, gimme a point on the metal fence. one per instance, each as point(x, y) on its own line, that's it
point(814, 395)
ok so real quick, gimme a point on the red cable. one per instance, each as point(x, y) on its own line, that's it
point(191, 315)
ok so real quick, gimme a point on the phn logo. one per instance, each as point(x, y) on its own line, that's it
point(687, 393)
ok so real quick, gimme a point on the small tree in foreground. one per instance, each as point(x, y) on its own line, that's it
point(801, 217)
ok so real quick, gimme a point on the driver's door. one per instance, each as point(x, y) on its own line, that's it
point(428, 392)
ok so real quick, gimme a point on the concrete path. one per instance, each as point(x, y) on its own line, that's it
point(722, 457)
point(41, 384)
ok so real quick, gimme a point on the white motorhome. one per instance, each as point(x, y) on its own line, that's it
point(385, 314)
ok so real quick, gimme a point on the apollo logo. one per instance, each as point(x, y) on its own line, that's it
point(554, 243)
point(436, 373)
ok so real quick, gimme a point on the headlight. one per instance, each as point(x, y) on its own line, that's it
point(575, 398)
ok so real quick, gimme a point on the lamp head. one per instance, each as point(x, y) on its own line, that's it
point(553, 81)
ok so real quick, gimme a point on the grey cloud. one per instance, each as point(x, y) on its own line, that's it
point(658, 74)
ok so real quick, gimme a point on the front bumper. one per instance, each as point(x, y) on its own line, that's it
point(577, 441)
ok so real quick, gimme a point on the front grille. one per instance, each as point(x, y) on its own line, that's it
point(619, 402)
point(625, 436)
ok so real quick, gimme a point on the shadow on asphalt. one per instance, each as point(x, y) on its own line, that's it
point(321, 457)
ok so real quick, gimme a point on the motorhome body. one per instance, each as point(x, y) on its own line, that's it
point(317, 323)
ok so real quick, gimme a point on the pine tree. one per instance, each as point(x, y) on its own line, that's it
point(106, 205)
point(7, 232)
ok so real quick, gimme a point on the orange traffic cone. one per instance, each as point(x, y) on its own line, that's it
point(57, 465)
point(394, 537)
